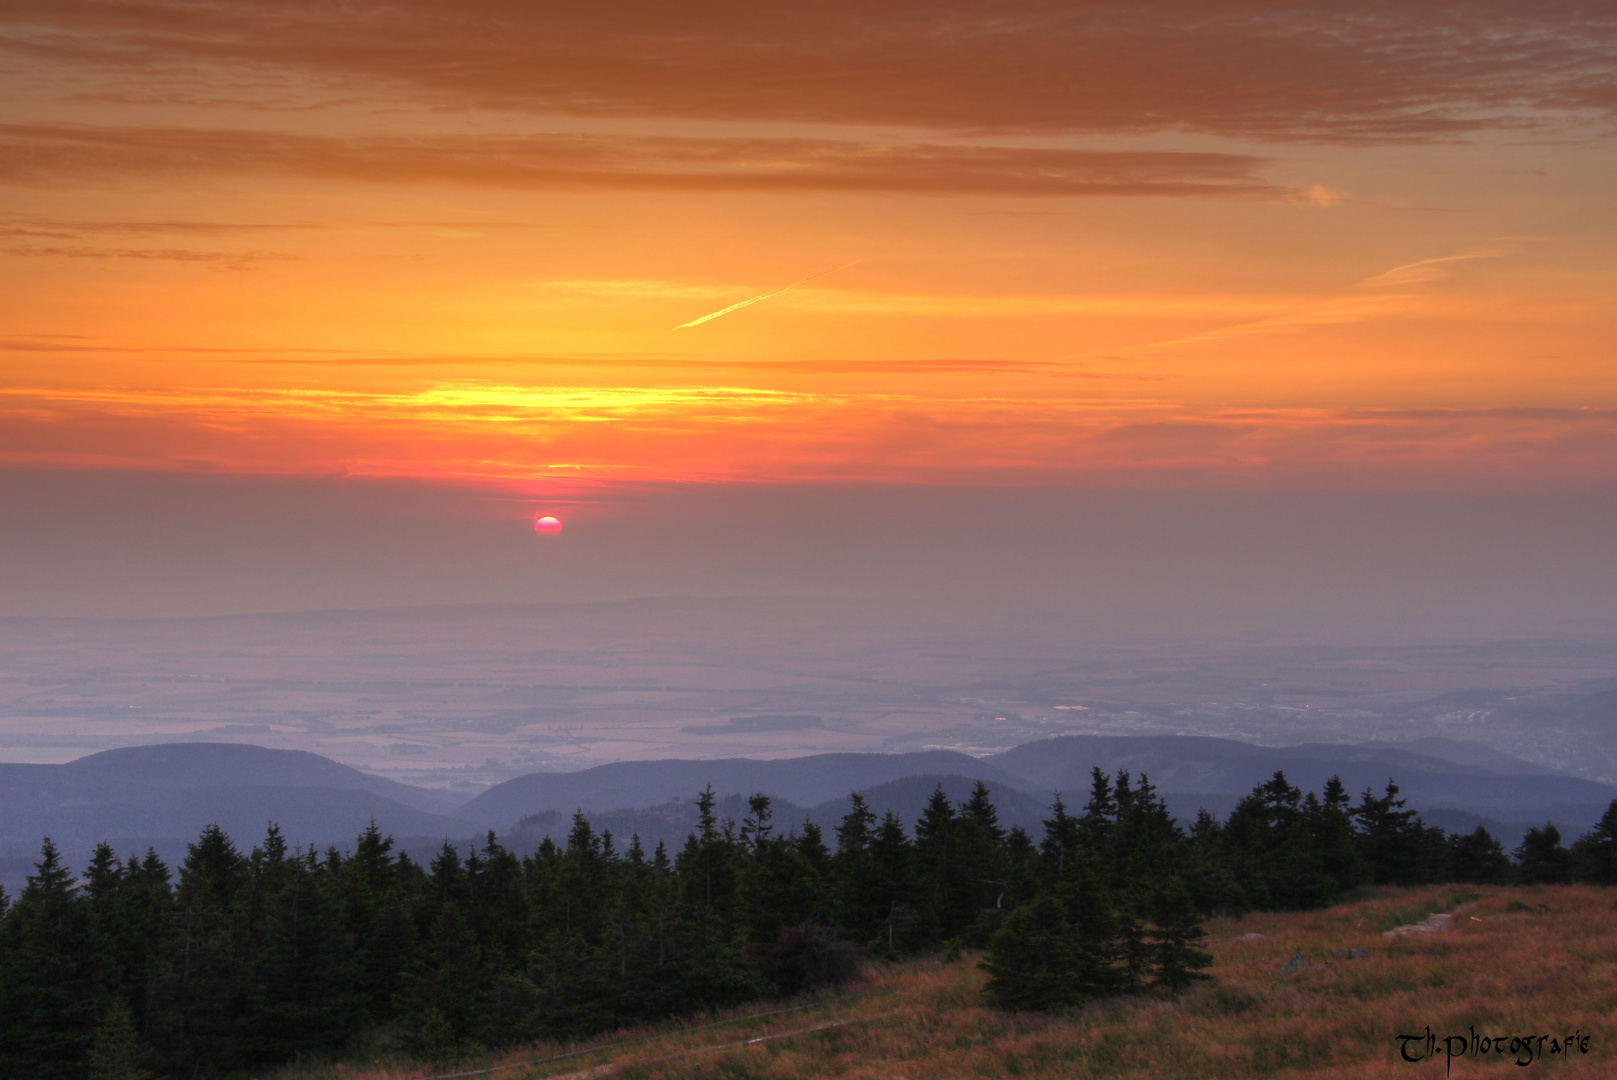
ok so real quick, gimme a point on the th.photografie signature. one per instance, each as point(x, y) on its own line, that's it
point(1523, 1049)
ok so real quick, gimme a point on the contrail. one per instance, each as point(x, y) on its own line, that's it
point(762, 296)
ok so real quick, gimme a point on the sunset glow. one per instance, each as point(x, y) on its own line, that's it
point(1265, 252)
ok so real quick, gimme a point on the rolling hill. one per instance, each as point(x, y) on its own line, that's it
point(803, 781)
point(162, 796)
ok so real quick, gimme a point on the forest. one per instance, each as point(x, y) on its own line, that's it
point(242, 959)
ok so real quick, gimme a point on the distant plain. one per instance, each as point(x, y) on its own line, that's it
point(462, 697)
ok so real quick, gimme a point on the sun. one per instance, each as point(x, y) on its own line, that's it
point(547, 526)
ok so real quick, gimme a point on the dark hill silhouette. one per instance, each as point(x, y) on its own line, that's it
point(1184, 764)
point(162, 796)
point(212, 764)
point(804, 781)
point(1466, 752)
point(1190, 771)
point(670, 822)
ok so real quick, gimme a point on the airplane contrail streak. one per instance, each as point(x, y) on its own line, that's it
point(761, 296)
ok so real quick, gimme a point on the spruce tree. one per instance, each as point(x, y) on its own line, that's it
point(893, 874)
point(1034, 960)
point(48, 976)
point(1061, 849)
point(1477, 858)
point(210, 956)
point(979, 888)
point(299, 959)
point(1393, 840)
point(1100, 811)
point(1541, 860)
point(858, 905)
point(933, 838)
point(758, 824)
point(1594, 855)
point(117, 1052)
point(1269, 845)
point(376, 921)
point(811, 845)
point(1330, 824)
point(1176, 936)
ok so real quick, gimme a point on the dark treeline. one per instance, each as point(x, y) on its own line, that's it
point(243, 959)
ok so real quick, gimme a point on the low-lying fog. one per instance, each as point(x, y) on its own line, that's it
point(462, 697)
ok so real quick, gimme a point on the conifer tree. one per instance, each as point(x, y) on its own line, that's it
point(1594, 855)
point(1176, 935)
point(758, 824)
point(251, 959)
point(1330, 824)
point(48, 976)
point(1206, 872)
point(1146, 843)
point(1477, 858)
point(811, 845)
point(1100, 811)
point(1034, 960)
point(893, 868)
point(299, 962)
point(1395, 845)
point(376, 920)
point(210, 960)
point(1541, 860)
point(1269, 845)
point(1062, 847)
point(117, 1052)
point(858, 907)
point(933, 838)
point(979, 888)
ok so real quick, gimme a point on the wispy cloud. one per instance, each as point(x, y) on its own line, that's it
point(737, 306)
point(1425, 270)
point(230, 260)
point(90, 155)
point(1276, 69)
point(60, 229)
point(1370, 299)
point(514, 433)
point(946, 305)
point(338, 358)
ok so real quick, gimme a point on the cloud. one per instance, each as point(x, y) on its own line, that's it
point(230, 260)
point(1376, 70)
point(515, 433)
point(1425, 270)
point(57, 229)
point(611, 361)
point(749, 301)
point(1318, 195)
point(1352, 307)
point(79, 154)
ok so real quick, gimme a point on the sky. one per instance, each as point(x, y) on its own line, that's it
point(271, 271)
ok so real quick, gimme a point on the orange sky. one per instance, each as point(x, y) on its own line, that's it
point(1365, 244)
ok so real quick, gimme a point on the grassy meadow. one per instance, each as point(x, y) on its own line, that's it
point(1508, 966)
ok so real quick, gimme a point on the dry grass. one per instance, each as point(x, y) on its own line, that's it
point(1505, 972)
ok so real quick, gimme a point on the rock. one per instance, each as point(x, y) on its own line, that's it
point(1436, 923)
point(1354, 954)
point(1295, 964)
point(1250, 937)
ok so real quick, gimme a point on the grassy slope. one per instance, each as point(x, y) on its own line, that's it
point(1504, 971)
